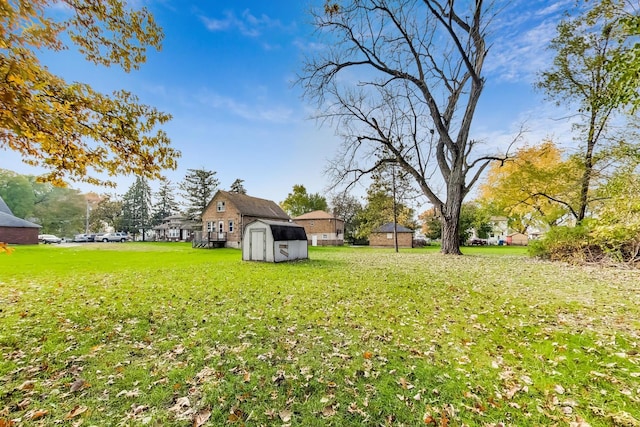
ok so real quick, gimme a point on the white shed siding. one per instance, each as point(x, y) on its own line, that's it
point(259, 243)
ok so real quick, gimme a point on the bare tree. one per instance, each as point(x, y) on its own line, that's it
point(404, 78)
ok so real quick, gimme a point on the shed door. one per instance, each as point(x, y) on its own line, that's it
point(258, 244)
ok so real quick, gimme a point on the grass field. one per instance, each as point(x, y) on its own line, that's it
point(164, 335)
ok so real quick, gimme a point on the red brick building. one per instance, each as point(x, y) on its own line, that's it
point(383, 236)
point(322, 228)
point(15, 230)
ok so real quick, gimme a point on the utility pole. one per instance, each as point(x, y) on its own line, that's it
point(395, 210)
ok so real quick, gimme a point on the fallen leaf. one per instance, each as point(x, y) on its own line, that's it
point(367, 355)
point(328, 411)
point(75, 412)
point(285, 415)
point(36, 415)
point(559, 389)
point(77, 385)
point(201, 417)
point(27, 385)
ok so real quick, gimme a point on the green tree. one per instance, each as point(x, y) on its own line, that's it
point(237, 187)
point(60, 210)
point(347, 208)
point(380, 208)
point(473, 217)
point(625, 63)
point(580, 78)
point(136, 208)
point(197, 188)
point(166, 204)
point(69, 128)
point(420, 76)
point(106, 213)
point(17, 192)
point(299, 202)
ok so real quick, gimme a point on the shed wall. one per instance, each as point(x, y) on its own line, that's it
point(19, 235)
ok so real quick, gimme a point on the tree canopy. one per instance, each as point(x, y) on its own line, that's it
point(68, 128)
point(299, 202)
point(401, 82)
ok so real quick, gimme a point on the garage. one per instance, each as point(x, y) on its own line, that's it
point(274, 241)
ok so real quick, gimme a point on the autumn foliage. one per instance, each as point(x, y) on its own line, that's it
point(69, 128)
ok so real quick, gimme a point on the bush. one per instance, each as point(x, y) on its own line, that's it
point(587, 244)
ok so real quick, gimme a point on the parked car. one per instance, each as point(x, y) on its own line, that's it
point(111, 237)
point(49, 238)
point(81, 238)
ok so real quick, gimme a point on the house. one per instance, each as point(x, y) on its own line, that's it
point(274, 241)
point(383, 236)
point(499, 230)
point(176, 228)
point(15, 230)
point(322, 228)
point(226, 215)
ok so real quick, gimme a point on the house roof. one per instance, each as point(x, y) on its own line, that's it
point(284, 230)
point(315, 215)
point(7, 219)
point(388, 228)
point(253, 206)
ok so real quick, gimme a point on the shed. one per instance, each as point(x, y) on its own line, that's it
point(16, 230)
point(274, 241)
point(383, 236)
point(517, 239)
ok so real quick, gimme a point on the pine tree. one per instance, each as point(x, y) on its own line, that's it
point(166, 204)
point(237, 187)
point(197, 189)
point(136, 208)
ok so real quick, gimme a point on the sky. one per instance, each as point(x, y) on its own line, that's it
point(226, 74)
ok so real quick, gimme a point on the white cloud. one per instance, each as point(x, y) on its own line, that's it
point(247, 23)
point(251, 112)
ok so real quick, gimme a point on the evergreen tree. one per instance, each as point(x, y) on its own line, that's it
point(136, 208)
point(237, 187)
point(198, 188)
point(166, 204)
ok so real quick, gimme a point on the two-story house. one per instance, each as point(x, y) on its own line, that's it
point(226, 215)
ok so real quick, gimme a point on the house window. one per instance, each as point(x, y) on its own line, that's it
point(220, 227)
point(174, 232)
point(230, 226)
point(210, 226)
point(325, 237)
point(220, 207)
point(389, 235)
point(311, 224)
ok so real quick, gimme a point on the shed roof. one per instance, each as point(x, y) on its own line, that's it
point(388, 228)
point(4, 208)
point(253, 206)
point(315, 215)
point(284, 230)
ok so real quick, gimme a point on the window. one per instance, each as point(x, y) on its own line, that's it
point(311, 223)
point(389, 235)
point(220, 227)
point(325, 237)
point(210, 226)
point(220, 207)
point(174, 232)
point(230, 226)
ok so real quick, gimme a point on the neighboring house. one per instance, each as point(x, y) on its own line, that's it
point(322, 228)
point(226, 215)
point(16, 230)
point(383, 236)
point(274, 241)
point(176, 228)
point(499, 230)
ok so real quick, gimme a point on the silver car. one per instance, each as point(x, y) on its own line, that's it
point(49, 239)
point(112, 237)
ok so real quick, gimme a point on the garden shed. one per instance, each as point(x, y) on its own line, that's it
point(274, 241)
point(16, 230)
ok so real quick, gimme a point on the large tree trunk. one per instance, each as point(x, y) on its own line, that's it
point(450, 218)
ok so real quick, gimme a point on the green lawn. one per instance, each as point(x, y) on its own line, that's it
point(162, 335)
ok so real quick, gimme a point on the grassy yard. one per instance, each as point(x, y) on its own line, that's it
point(164, 335)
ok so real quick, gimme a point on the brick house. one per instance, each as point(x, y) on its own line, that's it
point(15, 230)
point(322, 228)
point(383, 236)
point(226, 215)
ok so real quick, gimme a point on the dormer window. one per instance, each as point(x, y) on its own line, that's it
point(220, 207)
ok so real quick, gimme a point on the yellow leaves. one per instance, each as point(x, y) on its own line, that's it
point(4, 248)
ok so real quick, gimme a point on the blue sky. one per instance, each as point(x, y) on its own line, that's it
point(226, 74)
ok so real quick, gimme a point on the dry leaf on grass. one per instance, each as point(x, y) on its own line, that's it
point(201, 417)
point(75, 412)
